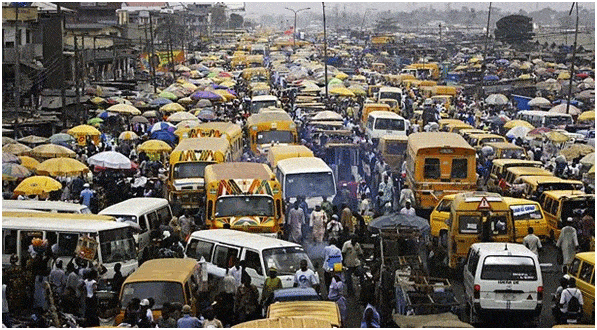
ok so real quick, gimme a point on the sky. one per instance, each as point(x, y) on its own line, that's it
point(256, 9)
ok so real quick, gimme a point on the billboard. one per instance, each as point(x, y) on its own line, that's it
point(160, 60)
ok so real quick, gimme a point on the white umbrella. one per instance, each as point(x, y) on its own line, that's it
point(180, 116)
point(518, 131)
point(588, 160)
point(110, 159)
point(539, 102)
point(496, 99)
point(561, 108)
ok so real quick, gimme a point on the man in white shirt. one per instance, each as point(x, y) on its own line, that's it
point(305, 277)
point(408, 210)
point(532, 242)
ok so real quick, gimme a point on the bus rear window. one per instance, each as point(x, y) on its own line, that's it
point(431, 169)
point(469, 224)
point(509, 268)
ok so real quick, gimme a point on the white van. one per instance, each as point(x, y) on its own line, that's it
point(263, 101)
point(502, 278)
point(45, 206)
point(219, 247)
point(307, 176)
point(380, 123)
point(146, 213)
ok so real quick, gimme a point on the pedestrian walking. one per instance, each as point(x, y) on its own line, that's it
point(532, 242)
point(246, 302)
point(317, 221)
point(305, 277)
point(296, 220)
point(567, 243)
point(351, 256)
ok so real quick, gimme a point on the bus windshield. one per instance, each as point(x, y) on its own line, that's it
point(117, 245)
point(389, 124)
point(160, 291)
point(257, 105)
point(231, 206)
point(266, 137)
point(190, 170)
point(390, 95)
point(557, 120)
point(286, 259)
point(309, 184)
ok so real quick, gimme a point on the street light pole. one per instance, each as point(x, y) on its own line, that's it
point(573, 58)
point(325, 52)
point(294, 28)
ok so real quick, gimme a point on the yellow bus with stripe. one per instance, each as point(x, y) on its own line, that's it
point(268, 128)
point(232, 132)
point(188, 160)
point(245, 195)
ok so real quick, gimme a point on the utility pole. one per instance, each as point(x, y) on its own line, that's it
point(440, 34)
point(325, 52)
point(152, 68)
point(487, 32)
point(294, 28)
point(62, 68)
point(17, 88)
point(77, 98)
point(574, 4)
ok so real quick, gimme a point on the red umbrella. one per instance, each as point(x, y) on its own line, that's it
point(582, 75)
point(539, 131)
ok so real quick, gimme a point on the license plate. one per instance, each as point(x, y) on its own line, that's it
point(508, 296)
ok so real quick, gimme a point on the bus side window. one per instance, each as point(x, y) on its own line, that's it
point(164, 215)
point(9, 241)
point(554, 207)
point(278, 208)
point(586, 271)
point(252, 261)
point(154, 221)
point(210, 206)
point(574, 266)
point(143, 223)
point(547, 205)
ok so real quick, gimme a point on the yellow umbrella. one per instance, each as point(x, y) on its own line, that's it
point(86, 130)
point(576, 150)
point(341, 76)
point(564, 75)
point(172, 107)
point(225, 94)
point(97, 100)
point(37, 185)
point(126, 109)
point(29, 162)
point(16, 149)
point(128, 135)
point(587, 116)
point(557, 137)
point(180, 116)
point(342, 91)
point(185, 101)
point(357, 90)
point(51, 151)
point(154, 147)
point(518, 122)
point(228, 83)
point(61, 167)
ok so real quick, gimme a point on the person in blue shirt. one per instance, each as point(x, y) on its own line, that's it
point(86, 195)
point(188, 321)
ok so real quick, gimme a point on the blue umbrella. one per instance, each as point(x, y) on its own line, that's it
point(206, 114)
point(162, 126)
point(502, 61)
point(61, 138)
point(205, 95)
point(104, 115)
point(165, 136)
point(491, 77)
point(231, 91)
point(215, 86)
point(160, 102)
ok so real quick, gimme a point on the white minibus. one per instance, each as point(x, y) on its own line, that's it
point(380, 123)
point(306, 176)
point(146, 213)
point(545, 118)
point(45, 206)
point(115, 239)
point(221, 247)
